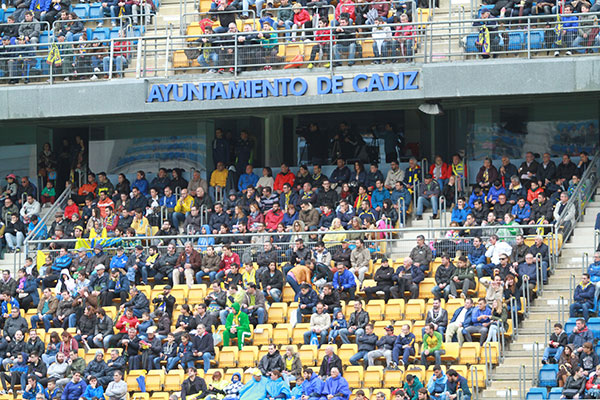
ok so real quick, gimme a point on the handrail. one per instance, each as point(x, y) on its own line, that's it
point(561, 309)
point(58, 204)
point(535, 363)
point(584, 261)
point(596, 235)
point(442, 211)
point(522, 378)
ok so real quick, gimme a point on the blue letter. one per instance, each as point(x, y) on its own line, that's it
point(375, 83)
point(194, 91)
point(166, 89)
point(303, 89)
point(219, 91)
point(284, 85)
point(338, 83)
point(386, 80)
point(235, 90)
point(155, 94)
point(323, 80)
point(256, 88)
point(208, 86)
point(412, 77)
point(176, 95)
point(359, 77)
point(270, 88)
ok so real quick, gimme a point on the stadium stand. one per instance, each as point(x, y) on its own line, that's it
point(250, 288)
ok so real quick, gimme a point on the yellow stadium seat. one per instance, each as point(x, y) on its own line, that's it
point(282, 334)
point(452, 350)
point(291, 313)
point(159, 396)
point(155, 380)
point(288, 294)
point(349, 310)
point(391, 378)
point(308, 354)
point(132, 375)
point(298, 332)
point(146, 289)
point(379, 327)
point(416, 370)
point(452, 305)
point(469, 353)
point(425, 288)
point(263, 350)
point(264, 336)
point(417, 330)
point(140, 396)
point(248, 356)
point(394, 309)
point(180, 60)
point(376, 309)
point(490, 350)
point(481, 376)
point(228, 357)
point(173, 380)
point(278, 313)
point(180, 292)
point(415, 309)
point(461, 369)
point(373, 376)
point(111, 311)
point(346, 351)
point(196, 294)
point(354, 375)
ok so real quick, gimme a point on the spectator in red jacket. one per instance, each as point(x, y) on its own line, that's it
point(121, 53)
point(273, 217)
point(285, 176)
point(323, 40)
point(302, 20)
point(440, 171)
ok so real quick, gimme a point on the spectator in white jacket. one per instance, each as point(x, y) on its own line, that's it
point(567, 212)
point(495, 249)
point(117, 389)
point(382, 40)
point(29, 208)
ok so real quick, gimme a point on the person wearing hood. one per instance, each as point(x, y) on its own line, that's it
point(237, 324)
point(336, 385)
point(277, 388)
point(14, 373)
point(204, 242)
point(312, 384)
point(271, 361)
point(233, 389)
point(95, 367)
point(255, 389)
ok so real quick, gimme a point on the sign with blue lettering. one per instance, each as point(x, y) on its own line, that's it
point(282, 87)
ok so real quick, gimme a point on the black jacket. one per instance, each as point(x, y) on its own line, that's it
point(189, 387)
point(443, 274)
point(165, 263)
point(166, 302)
point(138, 302)
point(275, 280)
point(367, 342)
point(270, 362)
point(384, 276)
point(361, 320)
point(386, 342)
point(546, 173)
point(331, 301)
point(95, 368)
point(263, 259)
point(329, 363)
point(37, 346)
point(204, 343)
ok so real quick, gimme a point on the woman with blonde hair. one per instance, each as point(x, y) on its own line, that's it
point(335, 235)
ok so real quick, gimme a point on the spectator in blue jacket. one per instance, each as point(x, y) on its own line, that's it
point(93, 390)
point(521, 211)
point(32, 388)
point(400, 191)
point(141, 184)
point(570, 23)
point(437, 383)
point(404, 345)
point(379, 195)
point(75, 388)
point(594, 272)
point(307, 301)
point(460, 211)
point(119, 261)
point(461, 319)
point(249, 178)
point(344, 281)
point(476, 254)
point(495, 191)
point(63, 261)
point(581, 334)
point(476, 195)
point(312, 384)
point(39, 8)
point(583, 299)
point(480, 319)
point(527, 272)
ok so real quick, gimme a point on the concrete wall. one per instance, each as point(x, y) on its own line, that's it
point(457, 80)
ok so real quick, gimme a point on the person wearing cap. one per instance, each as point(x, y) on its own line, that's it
point(150, 348)
point(99, 281)
point(256, 388)
point(385, 346)
point(384, 279)
point(10, 191)
point(429, 192)
point(164, 301)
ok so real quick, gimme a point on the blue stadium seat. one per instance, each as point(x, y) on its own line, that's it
point(95, 10)
point(537, 39)
point(515, 40)
point(2, 20)
point(7, 12)
point(537, 393)
point(594, 326)
point(114, 33)
point(555, 393)
point(100, 34)
point(82, 10)
point(44, 39)
point(547, 375)
point(470, 43)
point(569, 325)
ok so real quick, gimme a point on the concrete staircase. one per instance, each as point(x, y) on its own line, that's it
point(519, 352)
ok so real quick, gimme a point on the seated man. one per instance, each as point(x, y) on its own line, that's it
point(437, 384)
point(407, 277)
point(307, 300)
point(460, 211)
point(366, 343)
point(429, 192)
point(385, 346)
point(437, 317)
point(432, 346)
point(344, 282)
point(404, 345)
point(443, 278)
point(345, 36)
point(460, 320)
point(421, 254)
point(463, 278)
point(357, 323)
point(384, 278)
point(335, 387)
point(556, 345)
point(253, 303)
point(457, 386)
point(320, 321)
point(237, 324)
point(480, 321)
point(594, 272)
point(583, 298)
point(540, 250)
point(580, 335)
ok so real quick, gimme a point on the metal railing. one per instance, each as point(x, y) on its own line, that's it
point(535, 363)
point(522, 383)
